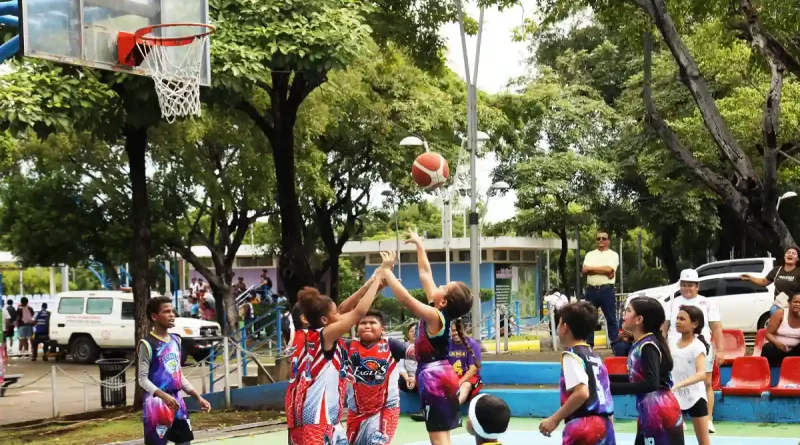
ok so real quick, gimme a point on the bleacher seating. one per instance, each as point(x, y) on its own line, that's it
point(789, 383)
point(616, 365)
point(750, 376)
point(733, 343)
point(761, 340)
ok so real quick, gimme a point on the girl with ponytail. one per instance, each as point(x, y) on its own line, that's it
point(689, 352)
point(465, 356)
point(649, 367)
point(318, 373)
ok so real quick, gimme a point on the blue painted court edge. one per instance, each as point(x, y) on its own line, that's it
point(539, 403)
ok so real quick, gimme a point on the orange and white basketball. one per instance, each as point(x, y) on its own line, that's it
point(430, 171)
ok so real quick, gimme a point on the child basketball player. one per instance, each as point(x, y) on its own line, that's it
point(586, 403)
point(159, 354)
point(317, 383)
point(464, 355)
point(488, 418)
point(374, 399)
point(437, 381)
point(649, 367)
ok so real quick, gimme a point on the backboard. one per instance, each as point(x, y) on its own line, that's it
point(84, 32)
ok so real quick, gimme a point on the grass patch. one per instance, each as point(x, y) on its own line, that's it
point(119, 429)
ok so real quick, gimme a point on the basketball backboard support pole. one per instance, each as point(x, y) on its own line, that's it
point(85, 32)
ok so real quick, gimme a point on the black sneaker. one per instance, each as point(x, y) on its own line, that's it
point(418, 417)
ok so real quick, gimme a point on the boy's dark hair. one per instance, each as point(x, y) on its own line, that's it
point(10, 302)
point(154, 305)
point(493, 414)
point(44, 306)
point(580, 317)
point(23, 301)
point(377, 315)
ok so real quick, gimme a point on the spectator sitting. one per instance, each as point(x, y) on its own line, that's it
point(281, 300)
point(783, 333)
point(239, 288)
point(194, 311)
point(408, 368)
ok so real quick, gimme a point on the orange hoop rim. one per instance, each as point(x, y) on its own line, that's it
point(142, 35)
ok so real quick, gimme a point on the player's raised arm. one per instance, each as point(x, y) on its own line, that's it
point(424, 266)
point(429, 314)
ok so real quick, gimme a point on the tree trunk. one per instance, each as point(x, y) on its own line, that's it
point(136, 147)
point(333, 276)
point(562, 260)
point(668, 254)
point(294, 266)
point(225, 305)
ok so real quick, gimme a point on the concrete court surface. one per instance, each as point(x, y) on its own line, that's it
point(526, 431)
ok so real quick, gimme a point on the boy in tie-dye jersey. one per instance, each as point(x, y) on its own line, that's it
point(649, 368)
point(586, 403)
point(159, 355)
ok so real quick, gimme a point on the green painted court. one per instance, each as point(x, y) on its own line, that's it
point(523, 431)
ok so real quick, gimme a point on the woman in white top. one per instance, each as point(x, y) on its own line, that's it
point(783, 333)
point(689, 369)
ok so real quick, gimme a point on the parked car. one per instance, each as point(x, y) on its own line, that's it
point(90, 323)
point(743, 305)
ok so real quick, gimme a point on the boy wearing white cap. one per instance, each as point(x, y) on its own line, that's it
point(690, 284)
point(488, 419)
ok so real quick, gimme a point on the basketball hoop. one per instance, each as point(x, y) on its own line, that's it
point(175, 73)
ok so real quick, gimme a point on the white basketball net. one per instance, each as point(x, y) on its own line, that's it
point(176, 73)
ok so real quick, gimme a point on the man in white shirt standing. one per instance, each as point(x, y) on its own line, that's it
point(600, 268)
point(690, 285)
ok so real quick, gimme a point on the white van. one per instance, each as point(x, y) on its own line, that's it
point(742, 304)
point(89, 323)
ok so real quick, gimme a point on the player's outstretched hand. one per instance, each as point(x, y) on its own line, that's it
point(413, 238)
point(547, 426)
point(388, 259)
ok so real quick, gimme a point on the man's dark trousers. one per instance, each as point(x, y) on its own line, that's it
point(604, 298)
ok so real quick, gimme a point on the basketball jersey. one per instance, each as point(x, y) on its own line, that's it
point(165, 362)
point(317, 381)
point(635, 364)
point(374, 375)
point(599, 402)
point(432, 349)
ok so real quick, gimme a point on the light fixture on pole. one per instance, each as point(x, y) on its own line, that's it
point(391, 196)
point(414, 141)
point(786, 195)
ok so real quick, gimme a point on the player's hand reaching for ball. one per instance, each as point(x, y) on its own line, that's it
point(413, 238)
point(388, 259)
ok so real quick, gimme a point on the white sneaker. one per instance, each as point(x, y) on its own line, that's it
point(711, 428)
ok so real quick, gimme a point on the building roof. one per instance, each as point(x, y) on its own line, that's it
point(500, 242)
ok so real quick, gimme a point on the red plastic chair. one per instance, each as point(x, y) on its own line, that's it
point(750, 376)
point(789, 383)
point(716, 378)
point(733, 340)
point(616, 365)
point(761, 340)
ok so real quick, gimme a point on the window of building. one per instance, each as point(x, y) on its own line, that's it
point(463, 256)
point(514, 255)
point(408, 257)
point(529, 255)
point(374, 258)
point(500, 255)
point(436, 257)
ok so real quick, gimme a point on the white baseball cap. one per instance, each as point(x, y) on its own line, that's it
point(690, 275)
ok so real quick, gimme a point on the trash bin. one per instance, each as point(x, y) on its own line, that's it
point(113, 392)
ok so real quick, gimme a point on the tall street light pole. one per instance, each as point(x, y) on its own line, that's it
point(472, 143)
point(390, 195)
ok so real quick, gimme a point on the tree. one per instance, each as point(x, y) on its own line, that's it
point(212, 183)
point(364, 113)
point(747, 194)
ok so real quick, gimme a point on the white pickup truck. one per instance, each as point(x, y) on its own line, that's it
point(88, 323)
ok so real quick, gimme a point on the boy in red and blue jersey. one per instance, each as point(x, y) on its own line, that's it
point(374, 399)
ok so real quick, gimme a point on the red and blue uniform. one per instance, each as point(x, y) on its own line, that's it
point(315, 397)
point(436, 378)
point(591, 423)
point(374, 399)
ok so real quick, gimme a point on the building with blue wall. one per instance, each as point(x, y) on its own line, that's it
point(512, 267)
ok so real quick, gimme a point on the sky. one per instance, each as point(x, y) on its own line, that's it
point(501, 60)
